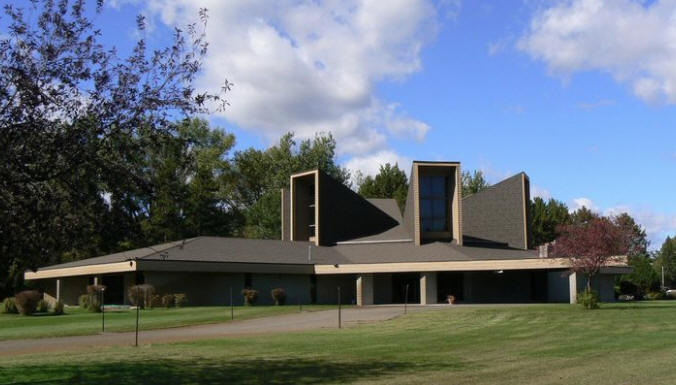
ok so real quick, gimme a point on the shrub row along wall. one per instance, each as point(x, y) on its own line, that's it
point(204, 289)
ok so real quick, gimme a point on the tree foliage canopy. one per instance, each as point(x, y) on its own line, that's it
point(74, 119)
point(263, 173)
point(390, 182)
point(473, 182)
point(591, 245)
point(666, 258)
point(545, 219)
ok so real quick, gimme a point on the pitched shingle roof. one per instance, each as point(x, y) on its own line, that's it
point(240, 250)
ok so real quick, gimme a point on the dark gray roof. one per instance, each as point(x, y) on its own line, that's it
point(495, 215)
point(219, 249)
point(430, 252)
point(121, 256)
point(239, 250)
point(396, 233)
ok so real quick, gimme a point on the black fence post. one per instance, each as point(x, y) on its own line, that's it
point(339, 315)
point(406, 298)
point(103, 312)
point(232, 306)
point(138, 308)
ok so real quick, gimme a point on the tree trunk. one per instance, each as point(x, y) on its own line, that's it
point(589, 287)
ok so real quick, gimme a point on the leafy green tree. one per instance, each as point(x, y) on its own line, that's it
point(545, 219)
point(638, 236)
point(70, 112)
point(209, 208)
point(473, 182)
point(390, 182)
point(262, 173)
point(643, 277)
point(666, 258)
point(583, 215)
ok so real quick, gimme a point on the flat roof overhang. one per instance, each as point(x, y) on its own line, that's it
point(104, 268)
point(171, 266)
point(618, 267)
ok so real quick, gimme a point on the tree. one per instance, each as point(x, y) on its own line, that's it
point(545, 220)
point(643, 277)
point(70, 113)
point(209, 207)
point(591, 245)
point(637, 236)
point(261, 175)
point(583, 215)
point(473, 182)
point(666, 259)
point(390, 182)
point(192, 183)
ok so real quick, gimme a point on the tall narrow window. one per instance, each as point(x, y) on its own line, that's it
point(434, 203)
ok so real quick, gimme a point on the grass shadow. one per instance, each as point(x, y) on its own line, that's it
point(213, 371)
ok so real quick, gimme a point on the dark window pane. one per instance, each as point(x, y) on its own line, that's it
point(438, 208)
point(425, 186)
point(426, 208)
point(438, 189)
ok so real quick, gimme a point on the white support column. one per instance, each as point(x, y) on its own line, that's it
point(364, 289)
point(58, 289)
point(428, 288)
point(572, 282)
point(97, 280)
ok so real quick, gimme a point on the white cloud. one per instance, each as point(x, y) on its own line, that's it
point(313, 66)
point(539, 192)
point(578, 203)
point(657, 225)
point(632, 40)
point(370, 164)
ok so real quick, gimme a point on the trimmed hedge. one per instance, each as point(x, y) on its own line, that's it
point(250, 296)
point(42, 307)
point(588, 299)
point(168, 300)
point(27, 301)
point(9, 306)
point(654, 295)
point(57, 308)
point(278, 295)
point(141, 295)
point(180, 299)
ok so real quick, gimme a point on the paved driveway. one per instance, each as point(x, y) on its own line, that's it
point(277, 324)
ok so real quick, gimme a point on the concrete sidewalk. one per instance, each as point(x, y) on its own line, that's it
point(267, 325)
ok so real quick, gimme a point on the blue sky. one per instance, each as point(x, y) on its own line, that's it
point(579, 94)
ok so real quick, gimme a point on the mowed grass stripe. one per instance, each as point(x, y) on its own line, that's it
point(542, 344)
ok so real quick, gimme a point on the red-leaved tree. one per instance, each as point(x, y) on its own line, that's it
point(591, 245)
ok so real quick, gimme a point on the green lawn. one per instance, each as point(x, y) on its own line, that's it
point(80, 322)
point(543, 344)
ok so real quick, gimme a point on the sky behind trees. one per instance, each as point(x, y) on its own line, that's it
point(561, 90)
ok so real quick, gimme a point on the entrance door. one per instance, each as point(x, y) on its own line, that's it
point(399, 282)
point(114, 294)
point(450, 283)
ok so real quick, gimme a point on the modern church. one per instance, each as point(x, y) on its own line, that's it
point(475, 249)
